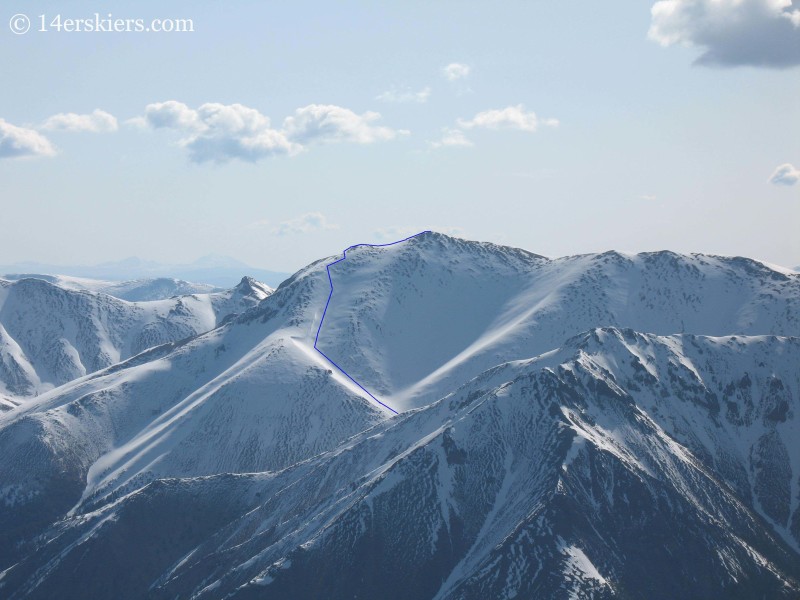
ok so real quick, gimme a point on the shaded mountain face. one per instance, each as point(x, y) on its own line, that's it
point(51, 334)
point(601, 426)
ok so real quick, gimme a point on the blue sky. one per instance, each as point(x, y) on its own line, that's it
point(278, 133)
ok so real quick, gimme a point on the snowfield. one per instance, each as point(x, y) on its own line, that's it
point(597, 426)
point(51, 333)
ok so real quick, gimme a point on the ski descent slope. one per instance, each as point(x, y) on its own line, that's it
point(328, 302)
point(601, 426)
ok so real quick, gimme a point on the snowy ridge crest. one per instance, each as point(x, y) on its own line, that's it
point(603, 426)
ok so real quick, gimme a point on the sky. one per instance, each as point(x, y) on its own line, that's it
point(278, 133)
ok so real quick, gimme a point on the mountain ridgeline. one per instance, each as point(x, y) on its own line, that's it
point(51, 332)
point(596, 426)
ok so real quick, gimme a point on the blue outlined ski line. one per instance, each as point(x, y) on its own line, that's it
point(327, 304)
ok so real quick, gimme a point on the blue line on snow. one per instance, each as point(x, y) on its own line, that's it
point(330, 295)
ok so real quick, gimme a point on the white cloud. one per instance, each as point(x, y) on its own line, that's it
point(307, 223)
point(219, 132)
point(260, 224)
point(785, 174)
point(19, 142)
point(173, 115)
point(395, 233)
point(451, 138)
point(99, 121)
point(325, 123)
point(455, 71)
point(405, 96)
point(762, 33)
point(137, 122)
point(648, 197)
point(511, 117)
point(449, 230)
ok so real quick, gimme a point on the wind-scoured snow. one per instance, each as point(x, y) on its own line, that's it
point(50, 335)
point(483, 304)
point(135, 290)
point(598, 426)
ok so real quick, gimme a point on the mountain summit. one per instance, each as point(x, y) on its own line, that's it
point(596, 426)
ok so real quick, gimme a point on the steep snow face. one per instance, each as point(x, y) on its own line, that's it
point(557, 476)
point(613, 464)
point(410, 321)
point(50, 335)
point(137, 290)
point(251, 395)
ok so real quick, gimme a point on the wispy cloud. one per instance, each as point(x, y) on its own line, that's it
point(451, 138)
point(760, 33)
point(785, 174)
point(307, 223)
point(395, 233)
point(21, 142)
point(405, 96)
point(511, 117)
point(455, 71)
point(325, 123)
point(260, 224)
point(98, 121)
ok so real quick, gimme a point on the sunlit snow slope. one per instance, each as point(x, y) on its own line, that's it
point(599, 426)
point(135, 290)
point(410, 321)
point(50, 335)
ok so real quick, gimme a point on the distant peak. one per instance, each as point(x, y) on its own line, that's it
point(21, 276)
point(249, 287)
point(246, 284)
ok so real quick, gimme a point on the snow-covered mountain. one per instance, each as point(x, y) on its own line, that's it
point(490, 305)
point(600, 426)
point(221, 271)
point(136, 290)
point(50, 334)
